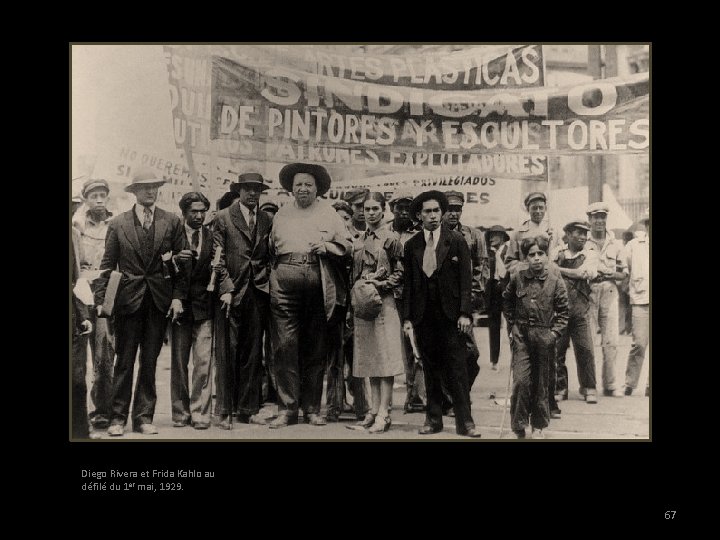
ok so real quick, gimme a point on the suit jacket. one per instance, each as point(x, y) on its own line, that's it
point(191, 282)
point(245, 259)
point(453, 273)
point(124, 252)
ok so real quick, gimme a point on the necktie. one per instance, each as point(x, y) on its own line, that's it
point(195, 240)
point(147, 223)
point(251, 224)
point(429, 260)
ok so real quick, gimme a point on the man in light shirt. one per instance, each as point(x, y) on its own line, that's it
point(309, 244)
point(637, 259)
point(92, 221)
point(605, 298)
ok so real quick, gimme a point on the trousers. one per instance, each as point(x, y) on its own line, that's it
point(533, 354)
point(641, 338)
point(195, 404)
point(604, 311)
point(299, 336)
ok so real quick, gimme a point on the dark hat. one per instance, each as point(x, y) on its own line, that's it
point(342, 205)
point(249, 178)
point(355, 195)
point(455, 197)
point(227, 199)
point(426, 196)
point(495, 228)
point(597, 208)
point(322, 178)
point(143, 177)
point(534, 196)
point(577, 224)
point(94, 183)
point(269, 205)
point(401, 196)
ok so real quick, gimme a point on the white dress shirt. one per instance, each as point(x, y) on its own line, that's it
point(189, 233)
point(246, 213)
point(140, 213)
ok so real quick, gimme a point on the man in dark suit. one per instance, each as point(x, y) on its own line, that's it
point(137, 244)
point(241, 230)
point(192, 317)
point(437, 308)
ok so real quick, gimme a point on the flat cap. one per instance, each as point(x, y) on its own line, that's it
point(455, 197)
point(94, 183)
point(534, 196)
point(400, 196)
point(597, 208)
point(355, 195)
point(577, 224)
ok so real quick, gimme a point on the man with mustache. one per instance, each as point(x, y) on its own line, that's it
point(241, 231)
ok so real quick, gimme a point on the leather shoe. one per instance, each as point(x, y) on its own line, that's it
point(116, 430)
point(590, 398)
point(472, 432)
point(94, 435)
point(628, 391)
point(538, 434)
point(314, 419)
point(283, 420)
point(225, 422)
point(181, 423)
point(427, 429)
point(555, 413)
point(147, 429)
point(519, 434)
point(201, 425)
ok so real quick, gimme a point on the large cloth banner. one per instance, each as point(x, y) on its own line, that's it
point(482, 113)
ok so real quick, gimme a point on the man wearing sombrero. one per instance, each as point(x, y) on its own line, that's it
point(309, 243)
point(137, 243)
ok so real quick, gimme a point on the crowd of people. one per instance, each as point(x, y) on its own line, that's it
point(271, 302)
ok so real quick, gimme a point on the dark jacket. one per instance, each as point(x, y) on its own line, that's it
point(191, 283)
point(141, 272)
point(245, 259)
point(453, 273)
point(536, 301)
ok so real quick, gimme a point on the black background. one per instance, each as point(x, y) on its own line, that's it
point(518, 486)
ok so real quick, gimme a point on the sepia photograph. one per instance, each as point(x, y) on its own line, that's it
point(360, 242)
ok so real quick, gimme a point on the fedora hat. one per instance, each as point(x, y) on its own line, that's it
point(495, 228)
point(322, 178)
point(418, 201)
point(143, 177)
point(248, 178)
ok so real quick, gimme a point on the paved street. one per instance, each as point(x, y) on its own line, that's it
point(610, 418)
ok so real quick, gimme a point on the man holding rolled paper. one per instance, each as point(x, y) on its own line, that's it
point(138, 245)
point(192, 317)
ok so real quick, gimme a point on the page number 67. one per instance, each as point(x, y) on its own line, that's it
point(670, 514)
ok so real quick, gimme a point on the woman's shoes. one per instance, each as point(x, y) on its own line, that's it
point(363, 424)
point(380, 425)
point(368, 421)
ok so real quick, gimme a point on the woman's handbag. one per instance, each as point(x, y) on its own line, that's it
point(365, 300)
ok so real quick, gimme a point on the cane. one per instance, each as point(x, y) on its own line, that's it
point(507, 394)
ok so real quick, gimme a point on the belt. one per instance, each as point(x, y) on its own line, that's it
point(534, 323)
point(601, 279)
point(297, 258)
